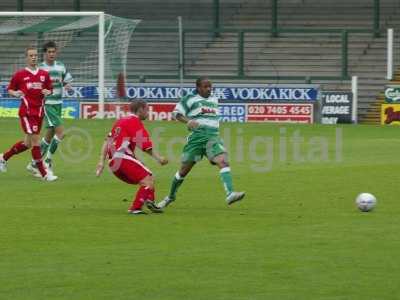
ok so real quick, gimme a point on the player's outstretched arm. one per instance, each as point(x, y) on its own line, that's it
point(160, 159)
point(103, 155)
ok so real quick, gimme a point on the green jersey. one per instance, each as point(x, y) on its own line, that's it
point(202, 110)
point(59, 77)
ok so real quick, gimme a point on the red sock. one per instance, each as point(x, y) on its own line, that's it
point(17, 148)
point(37, 157)
point(139, 199)
point(150, 194)
point(143, 194)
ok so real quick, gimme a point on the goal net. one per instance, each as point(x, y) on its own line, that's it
point(92, 45)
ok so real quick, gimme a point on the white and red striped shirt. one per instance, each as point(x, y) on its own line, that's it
point(127, 134)
point(31, 83)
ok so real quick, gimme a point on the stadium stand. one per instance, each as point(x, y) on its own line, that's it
point(289, 54)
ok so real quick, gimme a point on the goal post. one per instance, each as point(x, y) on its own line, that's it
point(113, 36)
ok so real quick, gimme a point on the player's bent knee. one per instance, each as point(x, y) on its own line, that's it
point(220, 161)
point(28, 144)
point(48, 137)
point(148, 181)
point(33, 140)
point(59, 132)
point(185, 168)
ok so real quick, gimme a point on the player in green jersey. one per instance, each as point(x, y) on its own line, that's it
point(199, 112)
point(61, 79)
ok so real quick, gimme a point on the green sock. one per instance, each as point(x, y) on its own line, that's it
point(226, 177)
point(53, 146)
point(176, 183)
point(44, 146)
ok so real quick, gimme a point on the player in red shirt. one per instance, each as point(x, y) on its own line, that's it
point(127, 134)
point(31, 85)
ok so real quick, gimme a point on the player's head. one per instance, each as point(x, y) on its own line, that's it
point(140, 108)
point(203, 87)
point(31, 56)
point(50, 51)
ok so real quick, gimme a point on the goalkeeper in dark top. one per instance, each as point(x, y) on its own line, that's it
point(199, 111)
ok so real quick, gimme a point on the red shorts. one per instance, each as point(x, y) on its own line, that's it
point(130, 171)
point(31, 124)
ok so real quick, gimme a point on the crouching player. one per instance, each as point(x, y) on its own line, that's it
point(119, 147)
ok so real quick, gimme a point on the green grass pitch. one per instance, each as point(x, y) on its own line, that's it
point(296, 235)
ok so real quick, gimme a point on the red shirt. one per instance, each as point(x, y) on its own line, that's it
point(127, 134)
point(31, 83)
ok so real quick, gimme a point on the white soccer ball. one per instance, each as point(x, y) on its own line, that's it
point(365, 202)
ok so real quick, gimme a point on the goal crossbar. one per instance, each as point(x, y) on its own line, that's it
point(101, 31)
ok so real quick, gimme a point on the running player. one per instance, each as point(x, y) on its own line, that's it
point(199, 112)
